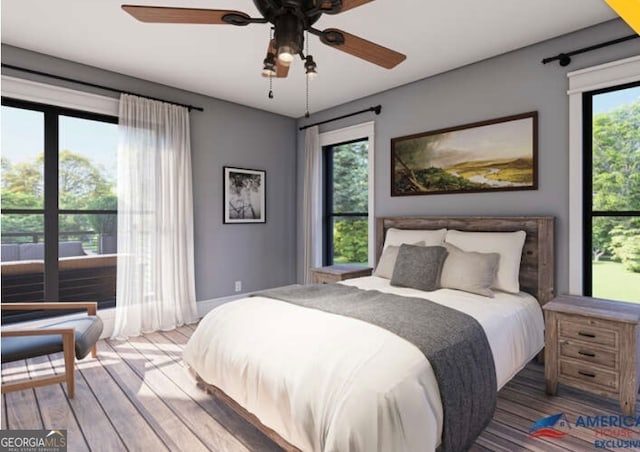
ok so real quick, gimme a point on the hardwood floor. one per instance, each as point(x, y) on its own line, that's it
point(138, 396)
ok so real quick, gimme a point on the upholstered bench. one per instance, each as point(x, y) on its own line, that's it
point(75, 337)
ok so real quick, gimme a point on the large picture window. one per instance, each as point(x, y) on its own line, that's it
point(59, 205)
point(611, 213)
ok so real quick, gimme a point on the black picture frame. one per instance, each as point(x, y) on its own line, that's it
point(244, 195)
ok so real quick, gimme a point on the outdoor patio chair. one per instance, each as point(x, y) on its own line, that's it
point(77, 336)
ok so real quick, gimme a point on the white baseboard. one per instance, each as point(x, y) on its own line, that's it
point(204, 306)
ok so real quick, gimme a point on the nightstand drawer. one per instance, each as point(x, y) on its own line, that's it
point(584, 332)
point(323, 278)
point(586, 373)
point(587, 353)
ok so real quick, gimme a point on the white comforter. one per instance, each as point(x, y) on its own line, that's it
point(330, 383)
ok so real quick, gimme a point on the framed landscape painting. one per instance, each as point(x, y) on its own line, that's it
point(244, 195)
point(496, 155)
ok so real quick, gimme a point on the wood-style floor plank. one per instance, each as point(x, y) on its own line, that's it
point(211, 432)
point(98, 429)
point(132, 428)
point(139, 395)
point(3, 415)
point(200, 423)
point(185, 331)
point(250, 436)
point(174, 434)
point(22, 409)
point(191, 327)
point(54, 406)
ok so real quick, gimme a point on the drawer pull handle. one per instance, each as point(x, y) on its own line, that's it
point(589, 354)
point(582, 333)
point(586, 374)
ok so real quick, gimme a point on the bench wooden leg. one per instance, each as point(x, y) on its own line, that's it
point(69, 350)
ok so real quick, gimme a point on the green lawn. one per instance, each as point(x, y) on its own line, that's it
point(611, 280)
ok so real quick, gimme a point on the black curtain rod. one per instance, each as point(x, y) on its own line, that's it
point(565, 58)
point(93, 85)
point(377, 109)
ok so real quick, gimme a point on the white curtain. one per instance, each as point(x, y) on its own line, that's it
point(312, 203)
point(155, 282)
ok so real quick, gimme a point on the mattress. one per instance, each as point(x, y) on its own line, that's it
point(325, 382)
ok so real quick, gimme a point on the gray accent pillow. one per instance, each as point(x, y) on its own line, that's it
point(387, 262)
point(419, 267)
point(469, 271)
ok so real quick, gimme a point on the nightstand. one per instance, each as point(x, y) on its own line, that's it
point(338, 272)
point(592, 344)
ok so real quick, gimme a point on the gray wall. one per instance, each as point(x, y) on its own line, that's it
point(508, 84)
point(260, 255)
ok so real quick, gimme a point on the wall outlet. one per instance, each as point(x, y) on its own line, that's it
point(238, 286)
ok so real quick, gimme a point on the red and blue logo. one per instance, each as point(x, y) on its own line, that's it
point(556, 426)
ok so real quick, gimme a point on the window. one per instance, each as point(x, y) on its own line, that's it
point(346, 203)
point(594, 80)
point(58, 204)
point(612, 193)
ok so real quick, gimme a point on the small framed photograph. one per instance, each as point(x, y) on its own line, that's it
point(244, 195)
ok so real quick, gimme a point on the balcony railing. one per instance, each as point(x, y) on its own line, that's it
point(86, 267)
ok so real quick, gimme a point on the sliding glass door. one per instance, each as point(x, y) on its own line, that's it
point(59, 204)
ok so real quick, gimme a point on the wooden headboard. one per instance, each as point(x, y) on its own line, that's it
point(536, 266)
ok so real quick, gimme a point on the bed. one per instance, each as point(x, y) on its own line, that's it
point(316, 381)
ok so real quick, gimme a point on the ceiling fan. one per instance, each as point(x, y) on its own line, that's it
point(289, 19)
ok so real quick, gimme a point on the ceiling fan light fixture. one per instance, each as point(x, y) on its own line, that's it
point(286, 54)
point(311, 68)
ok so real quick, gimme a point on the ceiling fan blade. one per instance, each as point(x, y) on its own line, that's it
point(166, 15)
point(350, 4)
point(361, 48)
point(282, 70)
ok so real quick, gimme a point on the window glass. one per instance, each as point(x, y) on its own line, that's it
point(615, 197)
point(87, 161)
point(22, 172)
point(347, 200)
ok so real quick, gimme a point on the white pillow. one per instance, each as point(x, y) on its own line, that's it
point(469, 271)
point(507, 244)
point(397, 237)
point(387, 262)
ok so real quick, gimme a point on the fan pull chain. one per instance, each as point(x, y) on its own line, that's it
point(306, 115)
point(270, 95)
point(306, 78)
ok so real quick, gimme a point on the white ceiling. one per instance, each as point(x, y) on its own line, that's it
point(224, 61)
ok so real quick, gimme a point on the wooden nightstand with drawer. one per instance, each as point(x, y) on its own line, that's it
point(338, 272)
point(592, 344)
